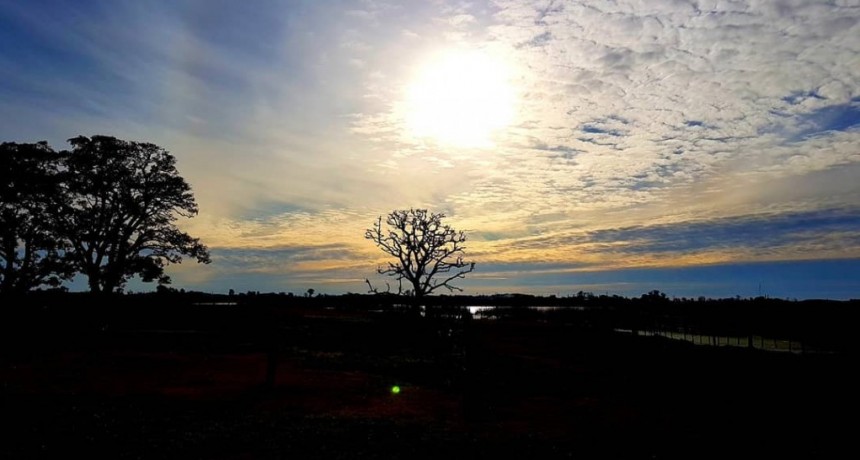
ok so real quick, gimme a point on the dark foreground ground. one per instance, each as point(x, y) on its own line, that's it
point(470, 389)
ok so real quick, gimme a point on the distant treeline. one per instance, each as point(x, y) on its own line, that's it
point(822, 324)
point(653, 298)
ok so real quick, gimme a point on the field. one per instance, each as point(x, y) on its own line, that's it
point(316, 382)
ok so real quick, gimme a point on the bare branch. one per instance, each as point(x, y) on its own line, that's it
point(424, 248)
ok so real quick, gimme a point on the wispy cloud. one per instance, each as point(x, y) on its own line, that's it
point(645, 132)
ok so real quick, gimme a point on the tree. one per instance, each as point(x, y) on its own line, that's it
point(123, 200)
point(429, 253)
point(31, 253)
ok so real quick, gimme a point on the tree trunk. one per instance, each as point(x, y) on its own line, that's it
point(417, 296)
point(95, 283)
point(8, 280)
point(8, 271)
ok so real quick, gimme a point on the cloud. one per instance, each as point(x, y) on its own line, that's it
point(635, 120)
point(815, 233)
point(774, 279)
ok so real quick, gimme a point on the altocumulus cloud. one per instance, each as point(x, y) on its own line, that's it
point(646, 133)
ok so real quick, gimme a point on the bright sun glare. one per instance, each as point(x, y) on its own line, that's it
point(460, 99)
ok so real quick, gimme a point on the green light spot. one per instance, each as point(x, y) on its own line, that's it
point(395, 390)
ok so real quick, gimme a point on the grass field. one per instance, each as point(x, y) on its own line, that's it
point(479, 389)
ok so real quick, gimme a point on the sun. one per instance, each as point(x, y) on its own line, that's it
point(460, 99)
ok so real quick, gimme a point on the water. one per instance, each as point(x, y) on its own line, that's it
point(478, 310)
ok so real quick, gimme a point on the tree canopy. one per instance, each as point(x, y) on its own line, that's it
point(429, 253)
point(123, 200)
point(31, 251)
point(107, 208)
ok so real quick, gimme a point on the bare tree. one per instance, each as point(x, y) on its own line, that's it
point(429, 253)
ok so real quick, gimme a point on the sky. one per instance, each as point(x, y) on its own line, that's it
point(697, 147)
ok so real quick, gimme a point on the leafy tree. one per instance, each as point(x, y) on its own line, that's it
point(123, 200)
point(655, 296)
point(429, 253)
point(30, 251)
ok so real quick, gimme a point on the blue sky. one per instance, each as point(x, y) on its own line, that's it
point(697, 147)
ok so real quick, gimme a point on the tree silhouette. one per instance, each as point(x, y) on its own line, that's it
point(429, 253)
point(31, 253)
point(123, 200)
